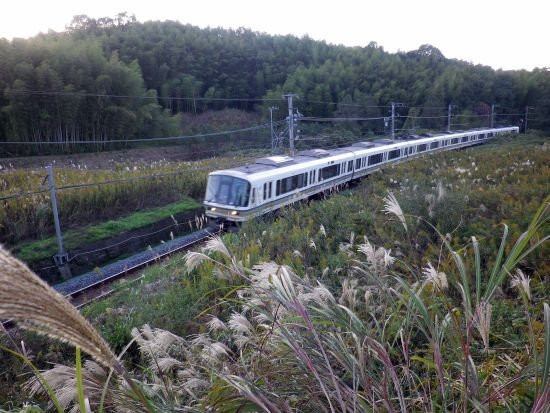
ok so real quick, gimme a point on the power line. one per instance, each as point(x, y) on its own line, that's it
point(114, 181)
point(421, 117)
point(107, 95)
point(167, 139)
point(190, 222)
point(426, 107)
point(315, 119)
point(22, 195)
point(355, 105)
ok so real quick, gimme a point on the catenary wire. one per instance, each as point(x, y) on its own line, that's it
point(107, 95)
point(167, 139)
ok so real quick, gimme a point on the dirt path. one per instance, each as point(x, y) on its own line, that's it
point(107, 160)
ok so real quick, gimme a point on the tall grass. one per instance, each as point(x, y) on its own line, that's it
point(388, 340)
point(30, 217)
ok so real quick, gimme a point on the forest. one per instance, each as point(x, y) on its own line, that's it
point(116, 78)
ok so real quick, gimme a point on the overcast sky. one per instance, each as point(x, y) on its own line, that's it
point(505, 34)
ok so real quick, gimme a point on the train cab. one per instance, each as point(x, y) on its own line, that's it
point(227, 196)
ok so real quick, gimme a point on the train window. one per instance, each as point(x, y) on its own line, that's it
point(374, 159)
point(396, 153)
point(358, 163)
point(421, 148)
point(350, 166)
point(265, 191)
point(253, 197)
point(278, 188)
point(482, 136)
point(269, 193)
point(405, 151)
point(291, 183)
point(464, 139)
point(227, 190)
point(314, 175)
point(454, 141)
point(329, 172)
point(434, 145)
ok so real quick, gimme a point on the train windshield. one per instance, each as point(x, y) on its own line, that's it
point(227, 190)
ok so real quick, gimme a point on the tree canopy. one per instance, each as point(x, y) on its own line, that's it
point(113, 78)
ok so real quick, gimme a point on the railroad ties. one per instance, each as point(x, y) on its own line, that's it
point(80, 284)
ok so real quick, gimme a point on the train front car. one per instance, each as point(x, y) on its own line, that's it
point(227, 196)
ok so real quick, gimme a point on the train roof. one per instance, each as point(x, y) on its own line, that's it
point(318, 156)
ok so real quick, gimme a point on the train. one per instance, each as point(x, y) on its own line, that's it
point(270, 183)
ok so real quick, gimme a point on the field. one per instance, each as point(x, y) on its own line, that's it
point(379, 305)
point(102, 199)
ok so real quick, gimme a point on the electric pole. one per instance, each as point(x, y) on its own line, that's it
point(61, 259)
point(493, 106)
point(273, 143)
point(393, 120)
point(393, 105)
point(526, 115)
point(449, 118)
point(290, 122)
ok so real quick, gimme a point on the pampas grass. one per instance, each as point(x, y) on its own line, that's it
point(391, 206)
point(32, 303)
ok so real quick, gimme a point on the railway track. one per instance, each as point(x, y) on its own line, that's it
point(87, 288)
point(100, 284)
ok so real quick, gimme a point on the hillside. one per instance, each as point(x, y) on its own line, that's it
point(111, 79)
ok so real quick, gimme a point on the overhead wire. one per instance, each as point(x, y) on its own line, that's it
point(176, 224)
point(113, 181)
point(166, 139)
point(316, 119)
point(356, 105)
point(155, 97)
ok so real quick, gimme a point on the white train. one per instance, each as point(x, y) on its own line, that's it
point(238, 194)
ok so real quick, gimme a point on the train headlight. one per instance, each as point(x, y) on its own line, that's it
point(213, 209)
point(234, 213)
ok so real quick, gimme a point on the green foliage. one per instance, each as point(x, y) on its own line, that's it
point(83, 236)
point(116, 81)
point(31, 216)
point(359, 313)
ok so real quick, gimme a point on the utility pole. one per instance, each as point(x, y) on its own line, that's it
point(290, 122)
point(493, 106)
point(449, 118)
point(61, 259)
point(273, 143)
point(393, 120)
point(393, 105)
point(526, 116)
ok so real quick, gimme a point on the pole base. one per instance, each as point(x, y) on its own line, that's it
point(62, 262)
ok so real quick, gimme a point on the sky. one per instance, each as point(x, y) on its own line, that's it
point(505, 34)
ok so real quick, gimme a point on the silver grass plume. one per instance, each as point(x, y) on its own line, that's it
point(521, 282)
point(32, 303)
point(62, 380)
point(482, 321)
point(215, 324)
point(436, 278)
point(391, 206)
